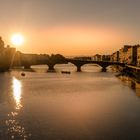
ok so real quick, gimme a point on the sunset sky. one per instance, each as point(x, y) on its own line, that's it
point(71, 27)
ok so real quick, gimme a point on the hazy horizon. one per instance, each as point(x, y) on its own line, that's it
point(71, 27)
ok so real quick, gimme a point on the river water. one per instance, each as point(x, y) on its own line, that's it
point(90, 105)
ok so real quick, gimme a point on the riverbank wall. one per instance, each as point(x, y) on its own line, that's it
point(132, 71)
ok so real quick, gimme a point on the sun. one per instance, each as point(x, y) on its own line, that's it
point(17, 39)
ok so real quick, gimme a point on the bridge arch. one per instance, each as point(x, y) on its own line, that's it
point(50, 66)
point(39, 68)
point(81, 64)
point(65, 67)
point(78, 66)
point(90, 67)
point(116, 66)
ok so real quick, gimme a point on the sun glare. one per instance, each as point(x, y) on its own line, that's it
point(17, 86)
point(17, 39)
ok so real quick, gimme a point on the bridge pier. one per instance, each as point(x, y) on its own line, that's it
point(78, 68)
point(104, 69)
point(51, 68)
point(27, 67)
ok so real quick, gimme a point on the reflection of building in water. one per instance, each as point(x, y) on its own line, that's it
point(125, 79)
point(17, 92)
point(137, 89)
point(131, 83)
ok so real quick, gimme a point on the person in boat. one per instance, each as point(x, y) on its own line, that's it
point(22, 74)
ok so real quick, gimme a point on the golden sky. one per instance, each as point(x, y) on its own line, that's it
point(81, 27)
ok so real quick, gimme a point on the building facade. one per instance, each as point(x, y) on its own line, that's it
point(115, 57)
point(96, 57)
point(138, 56)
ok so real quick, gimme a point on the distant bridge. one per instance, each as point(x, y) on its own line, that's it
point(103, 64)
point(19, 59)
point(27, 60)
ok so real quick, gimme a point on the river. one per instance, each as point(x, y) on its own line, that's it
point(90, 105)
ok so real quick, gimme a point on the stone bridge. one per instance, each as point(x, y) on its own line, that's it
point(27, 60)
point(103, 64)
point(10, 58)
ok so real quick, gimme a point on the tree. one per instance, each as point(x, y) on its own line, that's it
point(1, 43)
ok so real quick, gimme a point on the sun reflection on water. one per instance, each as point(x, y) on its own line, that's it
point(15, 129)
point(17, 91)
